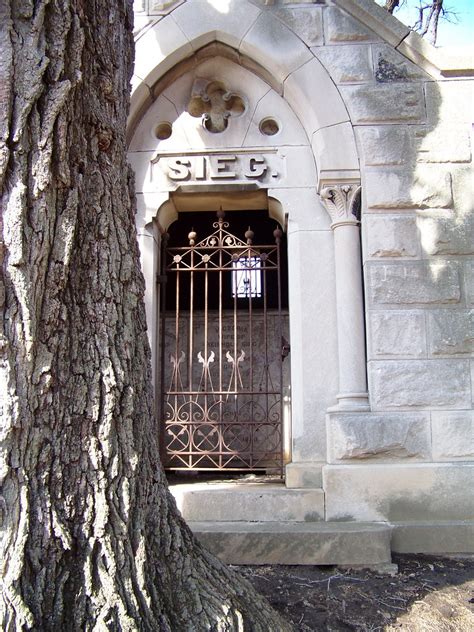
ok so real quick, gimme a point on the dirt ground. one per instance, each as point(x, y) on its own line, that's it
point(428, 594)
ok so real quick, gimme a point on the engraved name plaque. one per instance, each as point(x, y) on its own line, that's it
point(231, 167)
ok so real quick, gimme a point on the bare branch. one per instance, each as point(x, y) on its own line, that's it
point(430, 12)
point(391, 5)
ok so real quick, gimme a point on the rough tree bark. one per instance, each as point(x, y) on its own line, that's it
point(92, 539)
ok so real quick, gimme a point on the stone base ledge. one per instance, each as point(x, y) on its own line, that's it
point(323, 543)
point(447, 537)
point(400, 493)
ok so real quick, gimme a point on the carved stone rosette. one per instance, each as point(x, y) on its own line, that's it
point(214, 104)
point(342, 202)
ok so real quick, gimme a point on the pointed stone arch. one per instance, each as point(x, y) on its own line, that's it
point(256, 39)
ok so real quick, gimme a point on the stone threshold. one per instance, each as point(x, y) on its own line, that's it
point(247, 502)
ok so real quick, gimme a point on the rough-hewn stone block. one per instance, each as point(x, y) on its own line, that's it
point(452, 434)
point(427, 186)
point(469, 281)
point(407, 144)
point(307, 23)
point(398, 384)
point(346, 64)
point(397, 102)
point(472, 383)
point(411, 283)
point(397, 333)
point(403, 492)
point(449, 101)
point(442, 232)
point(391, 236)
point(365, 436)
point(445, 142)
point(377, 19)
point(386, 144)
point(451, 332)
point(463, 191)
point(342, 28)
point(391, 66)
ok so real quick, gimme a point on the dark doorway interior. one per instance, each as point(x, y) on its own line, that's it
point(224, 334)
point(240, 221)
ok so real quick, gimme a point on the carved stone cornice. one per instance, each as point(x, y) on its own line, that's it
point(342, 202)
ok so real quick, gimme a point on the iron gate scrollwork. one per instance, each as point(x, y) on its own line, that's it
point(222, 352)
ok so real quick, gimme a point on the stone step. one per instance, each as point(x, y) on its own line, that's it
point(319, 543)
point(202, 502)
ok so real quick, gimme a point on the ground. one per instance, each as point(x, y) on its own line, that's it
point(428, 594)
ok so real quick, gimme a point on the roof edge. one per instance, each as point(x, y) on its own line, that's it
point(445, 62)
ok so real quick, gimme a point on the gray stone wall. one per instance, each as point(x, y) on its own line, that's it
point(413, 126)
point(418, 243)
point(414, 142)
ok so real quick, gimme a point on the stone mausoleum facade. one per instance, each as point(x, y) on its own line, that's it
point(350, 137)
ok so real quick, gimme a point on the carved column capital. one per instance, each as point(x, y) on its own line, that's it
point(342, 202)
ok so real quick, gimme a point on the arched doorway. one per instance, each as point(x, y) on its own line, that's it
point(219, 129)
point(224, 342)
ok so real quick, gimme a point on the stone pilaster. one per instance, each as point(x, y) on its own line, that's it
point(342, 202)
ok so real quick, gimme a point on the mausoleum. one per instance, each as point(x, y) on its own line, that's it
point(305, 217)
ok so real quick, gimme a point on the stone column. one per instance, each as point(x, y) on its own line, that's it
point(341, 202)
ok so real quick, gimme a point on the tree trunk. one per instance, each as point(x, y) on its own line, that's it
point(92, 539)
point(434, 17)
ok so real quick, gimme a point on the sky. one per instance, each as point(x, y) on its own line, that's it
point(456, 34)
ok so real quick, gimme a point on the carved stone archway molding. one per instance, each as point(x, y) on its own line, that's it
point(257, 40)
point(342, 202)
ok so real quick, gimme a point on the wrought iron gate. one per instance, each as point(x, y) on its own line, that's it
point(222, 352)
